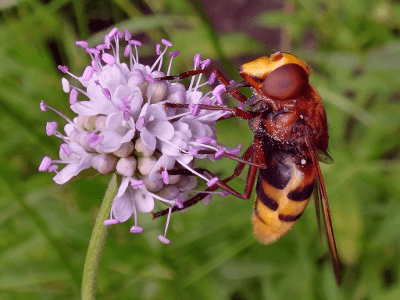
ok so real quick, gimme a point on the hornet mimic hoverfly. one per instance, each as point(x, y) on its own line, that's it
point(290, 136)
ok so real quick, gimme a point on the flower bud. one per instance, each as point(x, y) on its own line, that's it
point(100, 122)
point(87, 123)
point(177, 93)
point(187, 183)
point(174, 178)
point(152, 185)
point(135, 78)
point(140, 147)
point(105, 164)
point(125, 150)
point(126, 166)
point(82, 140)
point(157, 91)
point(146, 164)
point(169, 192)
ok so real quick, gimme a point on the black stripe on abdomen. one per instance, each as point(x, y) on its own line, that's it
point(264, 198)
point(301, 194)
point(278, 171)
point(289, 218)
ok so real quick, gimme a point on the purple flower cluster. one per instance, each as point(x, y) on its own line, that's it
point(122, 126)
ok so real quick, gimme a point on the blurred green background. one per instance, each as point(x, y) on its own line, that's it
point(353, 48)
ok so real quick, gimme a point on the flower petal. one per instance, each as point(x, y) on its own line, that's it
point(143, 200)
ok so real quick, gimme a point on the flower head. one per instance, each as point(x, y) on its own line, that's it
point(123, 125)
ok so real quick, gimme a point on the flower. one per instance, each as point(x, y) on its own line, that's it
point(124, 125)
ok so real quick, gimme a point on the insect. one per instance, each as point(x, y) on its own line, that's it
point(289, 124)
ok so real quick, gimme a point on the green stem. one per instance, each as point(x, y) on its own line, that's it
point(97, 241)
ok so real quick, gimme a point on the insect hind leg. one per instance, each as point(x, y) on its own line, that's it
point(247, 156)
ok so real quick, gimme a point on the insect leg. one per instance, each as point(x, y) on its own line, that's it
point(238, 170)
point(246, 115)
point(233, 92)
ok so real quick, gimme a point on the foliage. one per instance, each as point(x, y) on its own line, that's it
point(354, 50)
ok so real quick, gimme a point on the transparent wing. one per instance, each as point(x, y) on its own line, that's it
point(321, 200)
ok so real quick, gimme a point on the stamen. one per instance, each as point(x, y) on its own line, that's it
point(73, 96)
point(82, 44)
point(235, 151)
point(51, 128)
point(101, 47)
point(217, 92)
point(45, 164)
point(107, 93)
point(53, 168)
point(219, 152)
point(113, 32)
point(194, 109)
point(65, 85)
point(191, 170)
point(140, 123)
point(108, 59)
point(193, 151)
point(88, 73)
point(211, 79)
point(162, 238)
point(127, 51)
point(66, 149)
point(207, 199)
point(137, 183)
point(179, 203)
point(110, 222)
point(158, 49)
point(212, 181)
point(44, 107)
point(166, 42)
point(127, 35)
point(149, 78)
point(136, 229)
point(165, 177)
point(63, 69)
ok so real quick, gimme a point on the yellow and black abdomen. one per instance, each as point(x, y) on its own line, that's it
point(282, 193)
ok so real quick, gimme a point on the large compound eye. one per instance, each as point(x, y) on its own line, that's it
point(285, 82)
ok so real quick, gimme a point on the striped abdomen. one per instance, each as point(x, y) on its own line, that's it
point(282, 193)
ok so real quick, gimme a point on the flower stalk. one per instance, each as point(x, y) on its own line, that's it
point(97, 241)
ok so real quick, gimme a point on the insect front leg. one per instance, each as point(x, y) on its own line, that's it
point(246, 115)
point(233, 92)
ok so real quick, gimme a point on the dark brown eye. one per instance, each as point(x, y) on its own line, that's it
point(285, 82)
